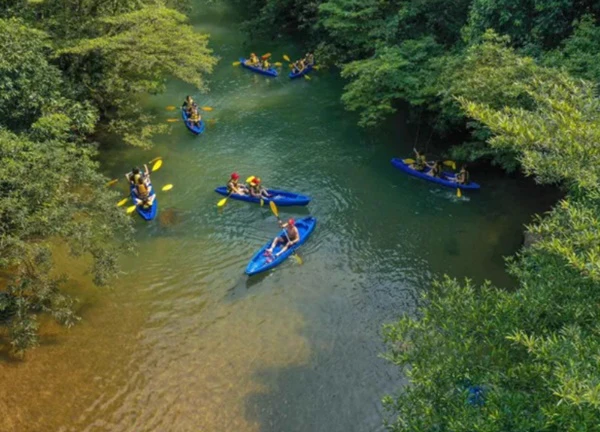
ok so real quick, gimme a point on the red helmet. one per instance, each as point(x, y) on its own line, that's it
point(291, 222)
point(235, 176)
point(256, 180)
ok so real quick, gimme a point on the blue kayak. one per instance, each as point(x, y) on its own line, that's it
point(263, 261)
point(272, 72)
point(146, 213)
point(281, 198)
point(305, 71)
point(195, 129)
point(447, 179)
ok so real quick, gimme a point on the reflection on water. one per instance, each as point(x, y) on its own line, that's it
point(185, 342)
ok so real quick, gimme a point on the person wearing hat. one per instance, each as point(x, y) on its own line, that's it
point(256, 190)
point(289, 238)
point(233, 185)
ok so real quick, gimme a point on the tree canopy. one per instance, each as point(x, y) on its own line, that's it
point(68, 68)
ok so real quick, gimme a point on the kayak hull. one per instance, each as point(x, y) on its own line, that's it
point(272, 72)
point(146, 214)
point(196, 130)
point(399, 163)
point(279, 197)
point(306, 71)
point(262, 262)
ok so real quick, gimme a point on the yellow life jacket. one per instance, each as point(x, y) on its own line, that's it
point(142, 190)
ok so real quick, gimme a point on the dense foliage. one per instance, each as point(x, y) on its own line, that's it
point(517, 79)
point(66, 68)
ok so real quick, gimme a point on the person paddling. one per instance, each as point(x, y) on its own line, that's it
point(195, 118)
point(299, 66)
point(436, 169)
point(289, 238)
point(253, 60)
point(233, 185)
point(188, 103)
point(135, 174)
point(463, 176)
point(420, 161)
point(256, 190)
point(142, 191)
point(309, 59)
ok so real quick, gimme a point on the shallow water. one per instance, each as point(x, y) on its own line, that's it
point(185, 342)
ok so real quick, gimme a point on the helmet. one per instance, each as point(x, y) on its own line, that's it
point(256, 180)
point(235, 176)
point(291, 222)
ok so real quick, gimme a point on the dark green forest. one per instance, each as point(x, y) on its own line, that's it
point(69, 70)
point(518, 81)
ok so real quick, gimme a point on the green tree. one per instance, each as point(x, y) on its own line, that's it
point(50, 195)
point(134, 54)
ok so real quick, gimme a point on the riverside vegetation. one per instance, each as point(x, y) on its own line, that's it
point(519, 81)
point(67, 70)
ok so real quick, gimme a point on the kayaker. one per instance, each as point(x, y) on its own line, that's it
point(266, 65)
point(436, 169)
point(420, 161)
point(463, 176)
point(233, 185)
point(188, 103)
point(253, 60)
point(299, 66)
point(135, 174)
point(195, 118)
point(289, 238)
point(256, 190)
point(142, 192)
point(309, 59)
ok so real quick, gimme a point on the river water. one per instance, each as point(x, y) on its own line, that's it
point(183, 341)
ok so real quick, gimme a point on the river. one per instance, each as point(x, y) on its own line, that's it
point(183, 341)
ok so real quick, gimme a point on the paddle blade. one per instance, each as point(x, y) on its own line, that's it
point(155, 159)
point(112, 182)
point(222, 202)
point(316, 67)
point(170, 108)
point(249, 179)
point(172, 120)
point(131, 209)
point(450, 164)
point(236, 63)
point(408, 161)
point(157, 165)
point(206, 108)
point(122, 202)
point(278, 64)
point(298, 259)
point(262, 202)
point(458, 193)
point(167, 187)
point(274, 209)
point(307, 77)
point(286, 58)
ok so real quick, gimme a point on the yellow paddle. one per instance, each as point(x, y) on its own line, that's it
point(307, 77)
point(206, 108)
point(131, 209)
point(170, 108)
point(236, 63)
point(173, 120)
point(167, 187)
point(278, 64)
point(224, 200)
point(286, 58)
point(276, 213)
point(458, 193)
point(122, 202)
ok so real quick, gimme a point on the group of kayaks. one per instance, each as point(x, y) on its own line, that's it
point(263, 261)
point(272, 72)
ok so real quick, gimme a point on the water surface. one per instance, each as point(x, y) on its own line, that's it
point(185, 342)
